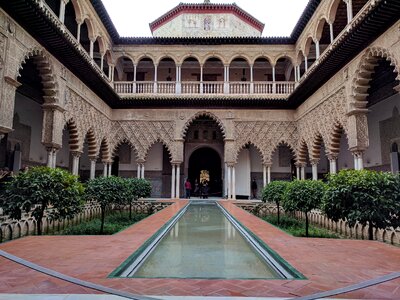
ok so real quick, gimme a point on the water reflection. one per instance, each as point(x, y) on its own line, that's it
point(204, 244)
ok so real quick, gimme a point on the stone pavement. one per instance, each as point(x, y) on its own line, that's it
point(327, 263)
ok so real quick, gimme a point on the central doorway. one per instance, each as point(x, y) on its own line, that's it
point(206, 159)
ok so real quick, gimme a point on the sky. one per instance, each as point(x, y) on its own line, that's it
point(132, 17)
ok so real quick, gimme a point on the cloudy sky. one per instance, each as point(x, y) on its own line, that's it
point(132, 17)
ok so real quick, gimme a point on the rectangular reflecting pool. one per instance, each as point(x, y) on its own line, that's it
point(203, 241)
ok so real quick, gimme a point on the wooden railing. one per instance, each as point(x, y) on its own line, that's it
point(205, 87)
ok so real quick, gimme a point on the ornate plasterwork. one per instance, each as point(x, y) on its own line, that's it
point(141, 135)
point(203, 114)
point(320, 125)
point(264, 135)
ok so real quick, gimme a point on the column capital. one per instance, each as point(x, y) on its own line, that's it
point(176, 163)
point(314, 162)
point(357, 152)
point(51, 147)
point(333, 156)
point(93, 158)
point(267, 164)
point(76, 153)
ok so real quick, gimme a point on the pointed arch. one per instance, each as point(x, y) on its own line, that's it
point(91, 140)
point(74, 138)
point(104, 151)
point(366, 68)
point(203, 114)
point(333, 146)
point(155, 141)
point(250, 143)
point(46, 73)
point(316, 147)
point(302, 152)
point(124, 141)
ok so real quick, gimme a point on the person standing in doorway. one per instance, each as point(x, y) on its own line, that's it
point(254, 188)
point(188, 188)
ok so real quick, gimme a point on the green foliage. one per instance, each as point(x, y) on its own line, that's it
point(274, 192)
point(113, 223)
point(107, 191)
point(367, 197)
point(41, 188)
point(304, 196)
point(296, 227)
point(136, 188)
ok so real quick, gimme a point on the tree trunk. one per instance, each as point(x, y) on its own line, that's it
point(39, 222)
point(130, 210)
point(306, 225)
point(278, 212)
point(370, 231)
point(102, 220)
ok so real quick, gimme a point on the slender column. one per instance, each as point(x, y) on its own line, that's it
point(50, 157)
point(332, 164)
point(355, 161)
point(314, 166)
point(298, 172)
point(78, 34)
point(102, 64)
point(264, 175)
point(226, 83)
point(109, 165)
point(303, 172)
point(54, 158)
point(229, 182)
point(317, 49)
point(306, 62)
point(178, 179)
point(138, 170)
point(104, 169)
point(142, 172)
point(233, 183)
point(173, 181)
point(62, 10)
point(251, 80)
point(273, 80)
point(349, 10)
point(91, 48)
point(178, 79)
point(331, 32)
point(155, 79)
point(112, 73)
point(92, 168)
point(75, 162)
point(268, 174)
point(298, 73)
point(134, 78)
point(360, 160)
point(201, 79)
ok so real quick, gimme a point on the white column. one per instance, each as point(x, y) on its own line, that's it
point(178, 80)
point(50, 157)
point(134, 78)
point(142, 172)
point(54, 158)
point(360, 161)
point(273, 80)
point(102, 64)
point(264, 176)
point(62, 10)
point(109, 165)
point(331, 32)
point(298, 73)
point(92, 168)
point(104, 169)
point(251, 80)
point(355, 161)
point(317, 49)
point(332, 164)
point(155, 79)
point(75, 163)
point(91, 48)
point(173, 181)
point(138, 171)
point(349, 10)
point(303, 172)
point(306, 63)
point(78, 34)
point(314, 167)
point(268, 174)
point(229, 182)
point(178, 178)
point(298, 172)
point(233, 183)
point(201, 79)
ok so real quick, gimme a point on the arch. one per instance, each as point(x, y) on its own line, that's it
point(239, 69)
point(217, 56)
point(70, 18)
point(124, 141)
point(144, 56)
point(248, 143)
point(334, 138)
point(92, 146)
point(155, 141)
point(332, 10)
point(124, 66)
point(307, 46)
point(284, 55)
point(365, 70)
point(263, 56)
point(302, 152)
point(240, 56)
point(78, 10)
point(203, 114)
point(316, 147)
point(104, 151)
point(320, 28)
point(90, 26)
point(186, 56)
point(284, 143)
point(165, 56)
point(74, 139)
point(46, 73)
point(102, 45)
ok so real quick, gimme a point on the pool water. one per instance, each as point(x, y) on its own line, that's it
point(203, 243)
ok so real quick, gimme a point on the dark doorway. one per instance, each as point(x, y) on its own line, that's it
point(207, 159)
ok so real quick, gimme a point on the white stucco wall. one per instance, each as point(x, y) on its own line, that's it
point(196, 25)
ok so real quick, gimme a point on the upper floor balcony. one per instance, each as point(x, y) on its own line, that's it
point(239, 77)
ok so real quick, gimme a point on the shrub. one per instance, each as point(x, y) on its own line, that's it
point(41, 188)
point(107, 191)
point(366, 197)
point(136, 188)
point(304, 196)
point(274, 192)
